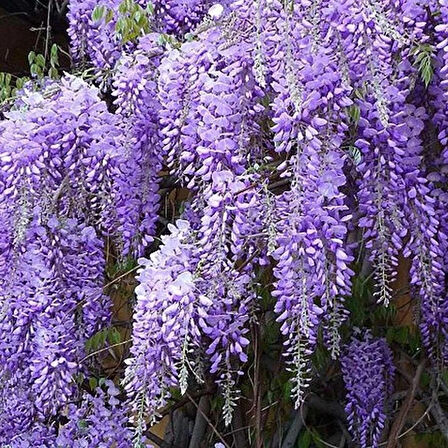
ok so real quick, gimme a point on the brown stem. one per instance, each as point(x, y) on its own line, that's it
point(400, 420)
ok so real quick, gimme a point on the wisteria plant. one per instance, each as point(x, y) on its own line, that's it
point(232, 215)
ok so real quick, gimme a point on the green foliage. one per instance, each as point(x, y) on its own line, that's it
point(423, 54)
point(321, 357)
point(132, 22)
point(354, 112)
point(405, 336)
point(110, 335)
point(358, 302)
point(9, 84)
point(39, 67)
point(53, 71)
point(6, 87)
point(305, 440)
point(121, 267)
point(82, 424)
point(95, 382)
point(361, 92)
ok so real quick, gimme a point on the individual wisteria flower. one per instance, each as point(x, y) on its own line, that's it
point(368, 373)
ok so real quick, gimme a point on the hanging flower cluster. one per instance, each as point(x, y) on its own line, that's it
point(59, 147)
point(294, 128)
point(368, 372)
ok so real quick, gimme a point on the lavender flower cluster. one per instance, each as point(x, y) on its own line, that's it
point(368, 371)
point(297, 127)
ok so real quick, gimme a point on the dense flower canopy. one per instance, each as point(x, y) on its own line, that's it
point(297, 131)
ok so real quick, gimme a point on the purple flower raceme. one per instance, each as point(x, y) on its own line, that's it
point(192, 295)
point(439, 89)
point(312, 273)
point(382, 85)
point(227, 221)
point(92, 38)
point(136, 173)
point(368, 373)
point(180, 16)
point(210, 104)
point(48, 311)
point(95, 27)
point(56, 146)
point(165, 324)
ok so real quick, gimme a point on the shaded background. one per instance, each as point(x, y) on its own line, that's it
point(24, 26)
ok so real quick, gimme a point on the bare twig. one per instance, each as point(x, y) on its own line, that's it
point(400, 420)
point(105, 349)
point(48, 33)
point(208, 421)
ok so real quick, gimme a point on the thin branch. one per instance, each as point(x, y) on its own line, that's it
point(208, 421)
point(400, 420)
point(105, 349)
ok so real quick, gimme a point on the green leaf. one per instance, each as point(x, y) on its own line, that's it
point(93, 383)
point(31, 57)
point(150, 8)
point(21, 82)
point(305, 440)
point(54, 51)
point(40, 60)
point(82, 424)
point(355, 113)
point(424, 61)
point(317, 440)
point(114, 336)
point(98, 13)
point(109, 15)
point(53, 73)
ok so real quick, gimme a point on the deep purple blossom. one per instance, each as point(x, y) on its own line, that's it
point(368, 372)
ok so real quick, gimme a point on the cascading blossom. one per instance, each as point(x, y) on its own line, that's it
point(56, 146)
point(368, 372)
point(166, 322)
point(136, 173)
point(210, 103)
point(100, 420)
